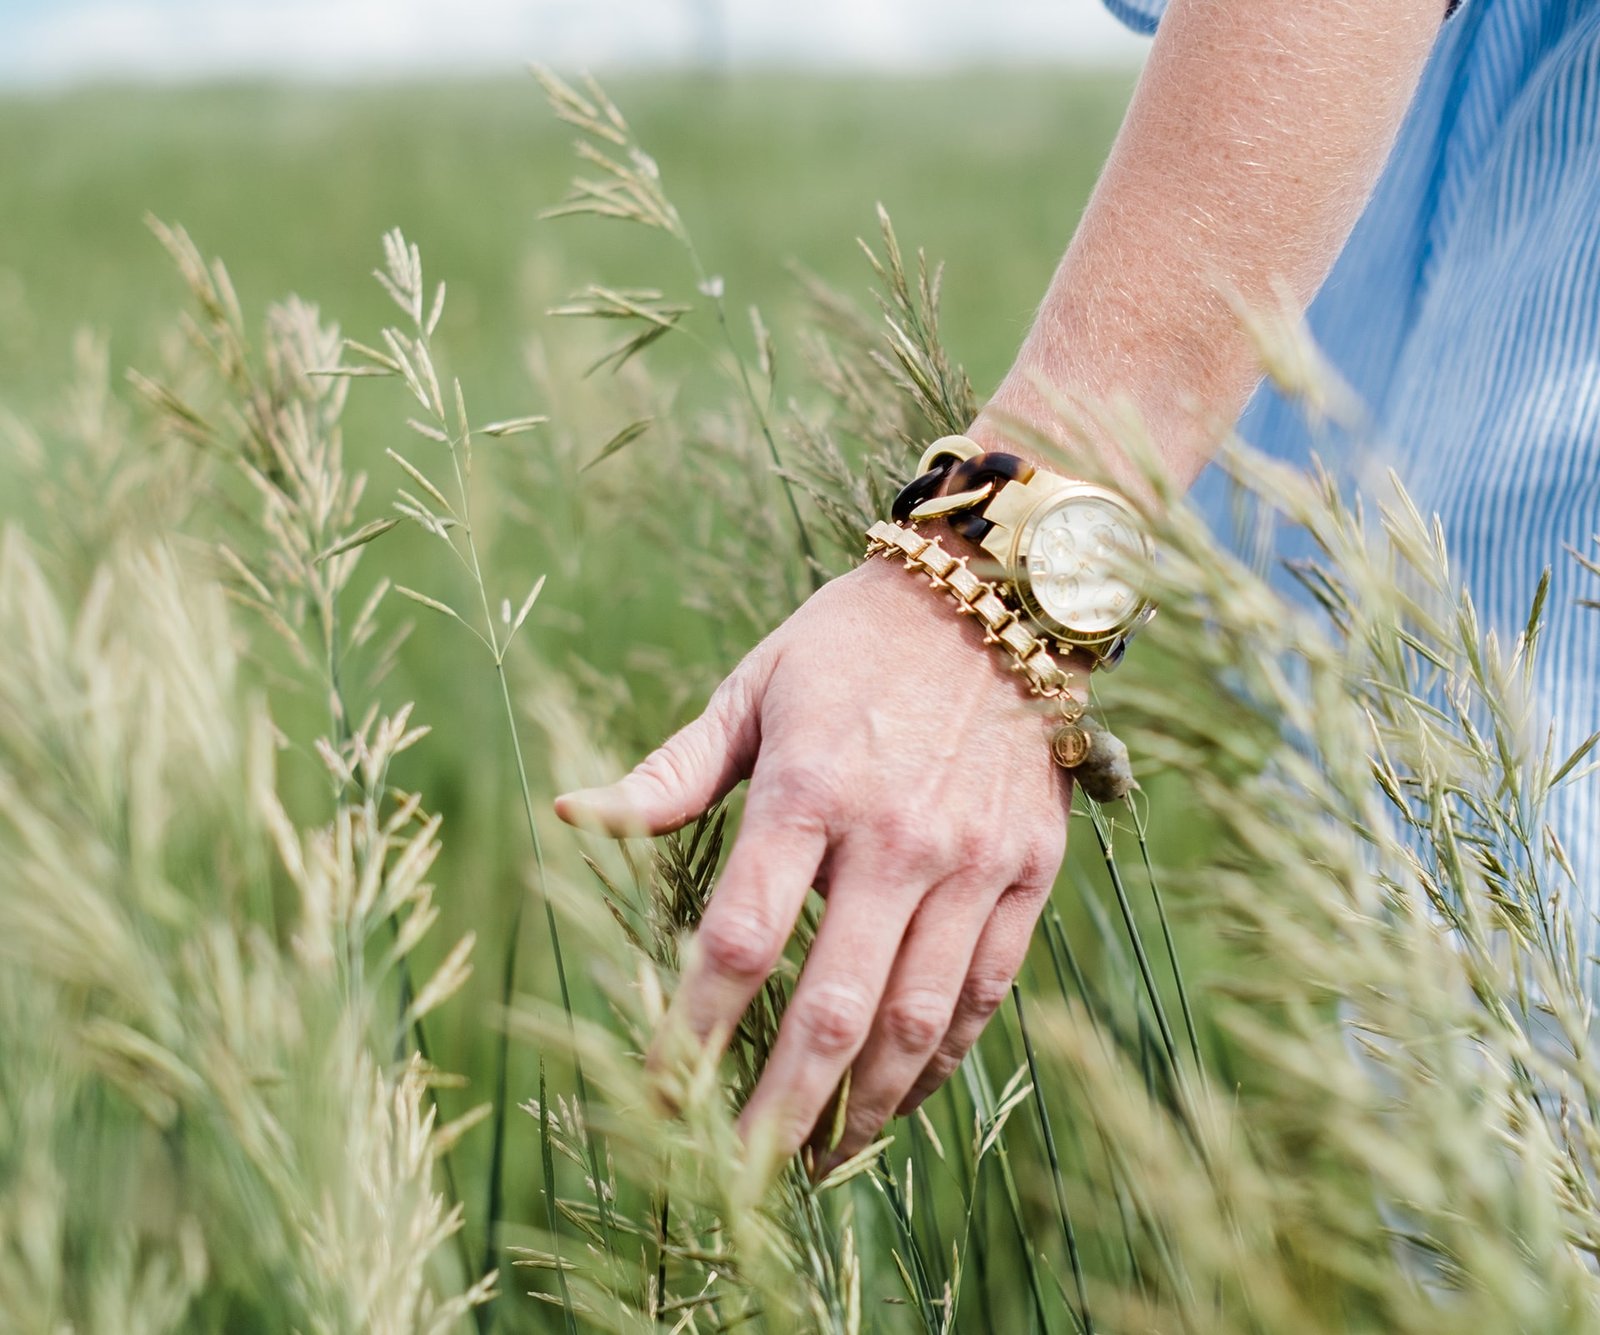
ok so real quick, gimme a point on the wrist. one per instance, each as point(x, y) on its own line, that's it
point(1059, 684)
point(1059, 418)
point(898, 607)
point(1075, 446)
point(902, 602)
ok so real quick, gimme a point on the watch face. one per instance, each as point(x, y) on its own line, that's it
point(1074, 560)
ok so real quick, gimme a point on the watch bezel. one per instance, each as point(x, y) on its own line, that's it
point(1022, 579)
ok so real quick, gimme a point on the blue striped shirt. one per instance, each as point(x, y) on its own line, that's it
point(1465, 311)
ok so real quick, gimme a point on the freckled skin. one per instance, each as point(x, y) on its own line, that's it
point(891, 757)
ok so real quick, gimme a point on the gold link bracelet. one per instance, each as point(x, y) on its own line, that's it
point(1029, 654)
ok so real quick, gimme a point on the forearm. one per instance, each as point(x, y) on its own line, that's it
point(1255, 137)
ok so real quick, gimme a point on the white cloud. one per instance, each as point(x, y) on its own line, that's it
point(176, 39)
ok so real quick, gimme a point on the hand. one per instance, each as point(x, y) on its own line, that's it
point(895, 764)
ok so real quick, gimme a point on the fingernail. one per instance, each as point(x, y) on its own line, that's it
point(591, 807)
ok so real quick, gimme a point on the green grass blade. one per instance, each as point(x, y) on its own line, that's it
point(547, 1162)
point(1102, 830)
point(1068, 1232)
point(983, 1101)
point(1140, 825)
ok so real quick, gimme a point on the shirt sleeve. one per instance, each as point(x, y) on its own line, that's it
point(1144, 15)
point(1140, 15)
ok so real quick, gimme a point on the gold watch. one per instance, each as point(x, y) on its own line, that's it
point(1062, 545)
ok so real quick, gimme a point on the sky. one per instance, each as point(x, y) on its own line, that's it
point(47, 43)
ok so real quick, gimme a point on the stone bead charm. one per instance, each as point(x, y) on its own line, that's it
point(1105, 773)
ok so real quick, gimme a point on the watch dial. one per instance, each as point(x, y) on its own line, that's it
point(1074, 560)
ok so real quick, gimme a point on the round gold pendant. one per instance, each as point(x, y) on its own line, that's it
point(1069, 746)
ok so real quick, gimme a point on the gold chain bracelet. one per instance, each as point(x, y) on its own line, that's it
point(1030, 655)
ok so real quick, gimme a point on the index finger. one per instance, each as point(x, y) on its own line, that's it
point(747, 920)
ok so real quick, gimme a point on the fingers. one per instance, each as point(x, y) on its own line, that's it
point(688, 772)
point(831, 1012)
point(747, 920)
point(995, 964)
point(918, 1008)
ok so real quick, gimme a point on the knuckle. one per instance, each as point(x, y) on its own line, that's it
point(834, 1017)
point(803, 791)
point(898, 831)
point(739, 943)
point(1041, 860)
point(972, 846)
point(983, 995)
point(914, 836)
point(916, 1020)
point(733, 698)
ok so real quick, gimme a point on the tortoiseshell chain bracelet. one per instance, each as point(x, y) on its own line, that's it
point(1030, 655)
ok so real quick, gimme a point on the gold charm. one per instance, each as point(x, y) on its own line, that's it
point(1069, 746)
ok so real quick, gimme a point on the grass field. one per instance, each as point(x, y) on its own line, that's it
point(293, 187)
point(214, 878)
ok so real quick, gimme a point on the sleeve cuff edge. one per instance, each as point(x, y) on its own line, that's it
point(1140, 15)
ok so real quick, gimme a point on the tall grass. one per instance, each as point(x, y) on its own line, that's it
point(1332, 1075)
point(205, 1124)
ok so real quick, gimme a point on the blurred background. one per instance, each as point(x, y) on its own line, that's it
point(61, 41)
point(287, 134)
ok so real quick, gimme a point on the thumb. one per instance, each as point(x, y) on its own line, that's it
point(683, 776)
